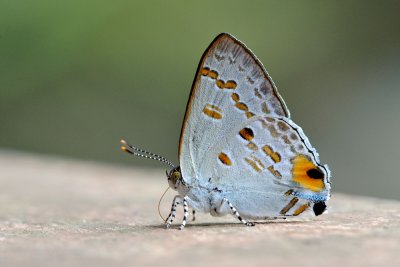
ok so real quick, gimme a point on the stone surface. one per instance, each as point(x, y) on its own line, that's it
point(59, 212)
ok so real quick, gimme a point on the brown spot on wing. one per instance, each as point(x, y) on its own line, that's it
point(300, 147)
point(241, 106)
point(276, 173)
point(230, 84)
point(289, 192)
point(264, 108)
point(286, 139)
point(247, 133)
point(250, 80)
point(271, 153)
point(252, 146)
point(255, 163)
point(249, 114)
point(224, 159)
point(212, 111)
point(294, 136)
point(257, 93)
point(204, 71)
point(219, 57)
point(263, 122)
point(213, 74)
point(289, 205)
point(272, 130)
point(226, 85)
point(220, 84)
point(264, 88)
point(282, 126)
point(235, 97)
point(301, 209)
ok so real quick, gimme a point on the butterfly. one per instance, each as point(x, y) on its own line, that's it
point(239, 151)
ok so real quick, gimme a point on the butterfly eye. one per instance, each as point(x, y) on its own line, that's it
point(315, 173)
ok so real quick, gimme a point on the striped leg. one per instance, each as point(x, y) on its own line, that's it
point(171, 216)
point(185, 213)
point(236, 213)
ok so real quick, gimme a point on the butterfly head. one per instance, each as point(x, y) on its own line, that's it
point(174, 177)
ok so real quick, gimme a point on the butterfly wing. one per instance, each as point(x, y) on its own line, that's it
point(268, 168)
point(230, 87)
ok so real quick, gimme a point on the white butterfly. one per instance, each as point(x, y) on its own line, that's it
point(239, 151)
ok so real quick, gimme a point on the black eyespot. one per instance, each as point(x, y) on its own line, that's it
point(315, 174)
point(319, 208)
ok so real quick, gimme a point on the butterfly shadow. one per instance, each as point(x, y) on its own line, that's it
point(195, 225)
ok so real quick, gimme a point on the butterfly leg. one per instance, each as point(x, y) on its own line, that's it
point(185, 213)
point(236, 213)
point(171, 216)
point(194, 215)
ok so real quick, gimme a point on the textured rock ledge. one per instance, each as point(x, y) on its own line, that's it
point(58, 212)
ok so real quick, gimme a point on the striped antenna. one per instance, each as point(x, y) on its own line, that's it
point(143, 153)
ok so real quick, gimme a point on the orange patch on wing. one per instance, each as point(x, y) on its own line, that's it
point(213, 111)
point(301, 165)
point(225, 159)
point(274, 155)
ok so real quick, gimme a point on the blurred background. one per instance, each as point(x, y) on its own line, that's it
point(77, 76)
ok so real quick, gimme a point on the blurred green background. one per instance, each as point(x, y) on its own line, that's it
point(76, 76)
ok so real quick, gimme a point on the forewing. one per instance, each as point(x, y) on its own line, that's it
point(230, 86)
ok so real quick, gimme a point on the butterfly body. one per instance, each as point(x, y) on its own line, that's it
point(239, 151)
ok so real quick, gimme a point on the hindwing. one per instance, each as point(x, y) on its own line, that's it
point(268, 161)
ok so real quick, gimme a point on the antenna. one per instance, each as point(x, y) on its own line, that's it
point(143, 153)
